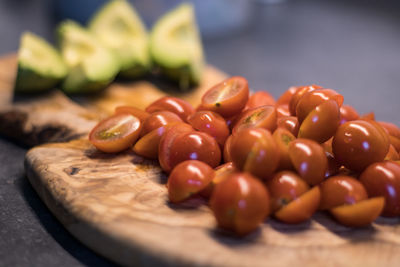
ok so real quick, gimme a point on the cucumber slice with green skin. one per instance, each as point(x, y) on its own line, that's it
point(92, 66)
point(175, 46)
point(40, 66)
point(120, 28)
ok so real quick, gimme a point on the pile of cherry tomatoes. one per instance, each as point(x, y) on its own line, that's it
point(252, 156)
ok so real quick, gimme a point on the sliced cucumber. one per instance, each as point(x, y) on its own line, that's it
point(40, 66)
point(92, 66)
point(175, 46)
point(120, 28)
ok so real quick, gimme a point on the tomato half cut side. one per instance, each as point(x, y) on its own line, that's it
point(116, 133)
point(261, 117)
point(227, 98)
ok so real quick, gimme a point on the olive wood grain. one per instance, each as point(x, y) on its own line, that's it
point(117, 205)
point(53, 117)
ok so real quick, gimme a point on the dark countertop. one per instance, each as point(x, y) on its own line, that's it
point(350, 46)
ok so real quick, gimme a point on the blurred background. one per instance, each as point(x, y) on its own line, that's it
point(347, 45)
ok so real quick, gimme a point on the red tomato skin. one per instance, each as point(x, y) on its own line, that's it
point(289, 123)
point(158, 119)
point(211, 123)
point(196, 146)
point(175, 105)
point(188, 178)
point(240, 203)
point(348, 113)
point(383, 179)
point(357, 144)
point(138, 113)
point(260, 98)
point(302, 90)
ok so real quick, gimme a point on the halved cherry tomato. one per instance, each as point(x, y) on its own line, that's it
point(188, 178)
point(282, 111)
point(383, 179)
point(116, 133)
point(227, 149)
point(290, 123)
point(284, 187)
point(254, 150)
point(222, 172)
point(211, 123)
point(137, 112)
point(309, 101)
point(300, 209)
point(260, 98)
point(282, 138)
point(158, 119)
point(164, 148)
point(175, 105)
point(392, 154)
point(309, 160)
point(285, 98)
point(359, 143)
point(302, 90)
point(197, 146)
point(227, 98)
point(348, 113)
point(261, 117)
point(321, 123)
point(359, 214)
point(333, 166)
point(340, 190)
point(240, 203)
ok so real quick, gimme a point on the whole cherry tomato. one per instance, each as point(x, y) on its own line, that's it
point(340, 190)
point(211, 123)
point(254, 150)
point(309, 160)
point(261, 117)
point(197, 146)
point(158, 119)
point(240, 203)
point(359, 143)
point(137, 112)
point(116, 133)
point(282, 138)
point(227, 98)
point(290, 123)
point(321, 123)
point(302, 90)
point(284, 187)
point(348, 113)
point(260, 98)
point(175, 105)
point(188, 178)
point(383, 179)
point(164, 148)
point(310, 100)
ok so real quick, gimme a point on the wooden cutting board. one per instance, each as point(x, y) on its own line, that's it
point(117, 204)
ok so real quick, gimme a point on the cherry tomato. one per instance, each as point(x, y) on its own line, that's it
point(116, 133)
point(309, 101)
point(285, 98)
point(321, 123)
point(197, 146)
point(282, 111)
point(188, 178)
point(158, 119)
point(222, 172)
point(164, 148)
point(254, 150)
point(359, 143)
point(290, 123)
point(137, 112)
point(327, 145)
point(227, 149)
point(261, 117)
point(333, 165)
point(227, 98)
point(260, 98)
point(392, 154)
point(340, 190)
point(359, 214)
point(175, 105)
point(348, 113)
point(284, 187)
point(394, 133)
point(309, 160)
point(282, 138)
point(211, 123)
point(240, 203)
point(300, 209)
point(302, 90)
point(383, 179)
